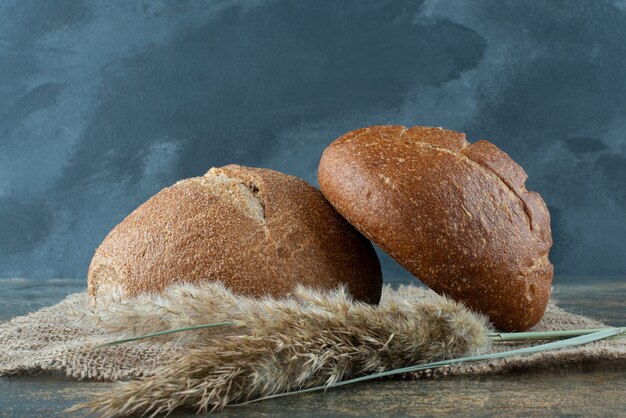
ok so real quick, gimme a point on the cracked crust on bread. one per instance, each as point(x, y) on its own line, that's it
point(258, 231)
point(456, 215)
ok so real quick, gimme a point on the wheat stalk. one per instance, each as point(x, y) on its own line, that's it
point(260, 349)
point(309, 340)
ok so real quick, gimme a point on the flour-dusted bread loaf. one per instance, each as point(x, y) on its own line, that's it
point(456, 215)
point(258, 231)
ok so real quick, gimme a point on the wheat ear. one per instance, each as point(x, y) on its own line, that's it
point(314, 339)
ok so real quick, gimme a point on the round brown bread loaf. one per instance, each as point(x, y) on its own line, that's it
point(456, 215)
point(258, 231)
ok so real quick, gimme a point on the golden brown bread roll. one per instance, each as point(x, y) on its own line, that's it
point(458, 216)
point(258, 231)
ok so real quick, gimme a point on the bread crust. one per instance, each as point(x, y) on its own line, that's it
point(258, 231)
point(456, 215)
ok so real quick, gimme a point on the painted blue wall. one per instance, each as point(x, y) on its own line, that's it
point(104, 103)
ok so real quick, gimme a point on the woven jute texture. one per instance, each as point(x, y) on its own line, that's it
point(62, 337)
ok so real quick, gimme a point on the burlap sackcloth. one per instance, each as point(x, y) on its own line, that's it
point(48, 341)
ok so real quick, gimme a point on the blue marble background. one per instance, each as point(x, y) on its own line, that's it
point(103, 103)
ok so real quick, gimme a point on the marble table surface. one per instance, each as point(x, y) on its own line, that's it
point(591, 389)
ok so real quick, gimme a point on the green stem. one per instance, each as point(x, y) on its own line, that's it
point(171, 331)
point(541, 335)
point(496, 336)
